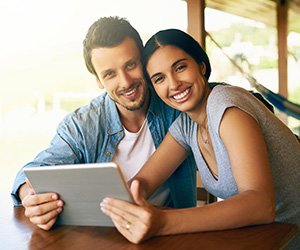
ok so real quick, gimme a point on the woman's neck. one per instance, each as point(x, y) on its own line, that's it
point(199, 114)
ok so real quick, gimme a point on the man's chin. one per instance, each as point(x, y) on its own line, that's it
point(134, 107)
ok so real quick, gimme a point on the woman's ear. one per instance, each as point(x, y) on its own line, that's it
point(100, 85)
point(202, 68)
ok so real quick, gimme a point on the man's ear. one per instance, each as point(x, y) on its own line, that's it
point(202, 68)
point(100, 85)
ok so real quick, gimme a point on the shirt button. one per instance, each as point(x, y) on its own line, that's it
point(107, 153)
point(119, 133)
point(109, 132)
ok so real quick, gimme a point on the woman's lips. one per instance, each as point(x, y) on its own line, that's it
point(182, 95)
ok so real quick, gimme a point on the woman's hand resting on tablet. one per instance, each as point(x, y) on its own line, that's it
point(136, 222)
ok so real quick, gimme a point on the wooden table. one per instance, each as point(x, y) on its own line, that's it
point(16, 232)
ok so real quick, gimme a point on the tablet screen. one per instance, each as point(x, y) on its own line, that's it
point(82, 187)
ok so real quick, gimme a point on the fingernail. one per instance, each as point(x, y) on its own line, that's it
point(105, 201)
point(54, 197)
point(60, 203)
point(103, 209)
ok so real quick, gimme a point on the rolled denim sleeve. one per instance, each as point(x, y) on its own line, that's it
point(81, 137)
point(19, 181)
point(59, 152)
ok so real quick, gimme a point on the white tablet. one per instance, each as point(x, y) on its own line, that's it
point(82, 187)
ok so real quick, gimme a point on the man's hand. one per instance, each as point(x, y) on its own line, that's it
point(40, 209)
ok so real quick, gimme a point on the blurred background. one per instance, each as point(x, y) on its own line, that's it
point(43, 76)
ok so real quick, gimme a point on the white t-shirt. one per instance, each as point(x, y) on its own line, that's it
point(132, 153)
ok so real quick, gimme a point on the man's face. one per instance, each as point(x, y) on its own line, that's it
point(120, 72)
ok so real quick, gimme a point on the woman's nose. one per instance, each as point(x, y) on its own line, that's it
point(174, 83)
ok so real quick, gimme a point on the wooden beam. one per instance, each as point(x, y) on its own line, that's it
point(282, 33)
point(196, 28)
point(196, 22)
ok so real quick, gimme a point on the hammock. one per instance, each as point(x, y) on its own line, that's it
point(281, 103)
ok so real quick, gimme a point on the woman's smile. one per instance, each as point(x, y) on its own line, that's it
point(183, 95)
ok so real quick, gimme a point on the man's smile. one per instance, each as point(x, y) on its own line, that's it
point(130, 92)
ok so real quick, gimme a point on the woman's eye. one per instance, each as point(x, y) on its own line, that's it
point(180, 67)
point(158, 79)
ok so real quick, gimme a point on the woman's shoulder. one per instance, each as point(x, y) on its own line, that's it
point(224, 96)
point(226, 91)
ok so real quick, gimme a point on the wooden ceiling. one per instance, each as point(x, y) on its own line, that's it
point(260, 10)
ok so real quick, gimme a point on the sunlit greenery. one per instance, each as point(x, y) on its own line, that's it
point(257, 35)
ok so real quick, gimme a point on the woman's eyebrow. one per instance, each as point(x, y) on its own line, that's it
point(156, 74)
point(178, 61)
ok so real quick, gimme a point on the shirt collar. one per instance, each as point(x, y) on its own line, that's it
point(114, 124)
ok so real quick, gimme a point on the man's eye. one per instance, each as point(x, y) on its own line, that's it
point(108, 74)
point(131, 65)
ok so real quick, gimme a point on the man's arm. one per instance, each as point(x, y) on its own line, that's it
point(42, 209)
point(59, 152)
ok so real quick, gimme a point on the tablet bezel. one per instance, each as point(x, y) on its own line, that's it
point(82, 187)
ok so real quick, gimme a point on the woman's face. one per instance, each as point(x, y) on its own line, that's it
point(178, 79)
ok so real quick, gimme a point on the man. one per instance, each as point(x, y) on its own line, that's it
point(123, 125)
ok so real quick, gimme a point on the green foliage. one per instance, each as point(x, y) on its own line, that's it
point(257, 35)
point(294, 96)
point(267, 63)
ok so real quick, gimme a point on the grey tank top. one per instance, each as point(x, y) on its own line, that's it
point(282, 145)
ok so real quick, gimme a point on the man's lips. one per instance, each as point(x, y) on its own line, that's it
point(182, 94)
point(130, 93)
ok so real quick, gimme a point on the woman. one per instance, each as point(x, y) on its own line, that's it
point(245, 155)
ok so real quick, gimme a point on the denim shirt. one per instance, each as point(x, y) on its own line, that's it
point(91, 134)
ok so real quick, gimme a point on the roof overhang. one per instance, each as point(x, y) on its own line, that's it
point(264, 11)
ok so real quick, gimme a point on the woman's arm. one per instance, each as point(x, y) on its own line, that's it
point(254, 204)
point(160, 166)
point(249, 160)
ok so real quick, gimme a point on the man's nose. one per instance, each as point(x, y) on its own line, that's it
point(125, 79)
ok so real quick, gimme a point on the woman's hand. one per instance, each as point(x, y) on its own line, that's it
point(136, 222)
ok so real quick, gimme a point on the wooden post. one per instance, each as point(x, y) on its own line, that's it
point(196, 24)
point(196, 28)
point(282, 33)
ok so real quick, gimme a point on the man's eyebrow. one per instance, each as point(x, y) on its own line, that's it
point(105, 71)
point(133, 59)
point(174, 64)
